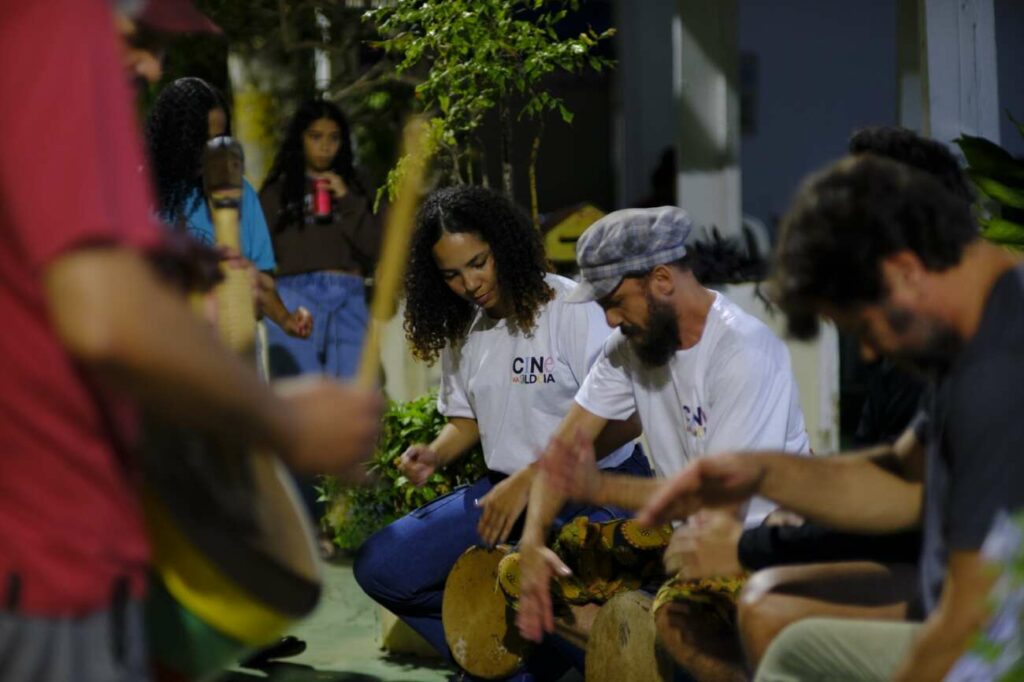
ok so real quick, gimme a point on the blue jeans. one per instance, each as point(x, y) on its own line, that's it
point(404, 566)
point(338, 305)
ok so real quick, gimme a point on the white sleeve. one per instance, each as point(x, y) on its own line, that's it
point(751, 394)
point(608, 391)
point(453, 397)
point(582, 334)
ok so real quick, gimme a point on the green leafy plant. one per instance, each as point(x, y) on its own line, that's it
point(479, 55)
point(999, 178)
point(355, 513)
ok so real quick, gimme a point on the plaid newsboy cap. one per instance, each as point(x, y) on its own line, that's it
point(624, 242)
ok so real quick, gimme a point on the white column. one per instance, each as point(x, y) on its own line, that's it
point(705, 68)
point(961, 83)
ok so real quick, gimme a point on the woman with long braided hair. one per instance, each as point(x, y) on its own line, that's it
point(186, 115)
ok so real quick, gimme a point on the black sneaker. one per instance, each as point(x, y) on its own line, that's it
point(286, 648)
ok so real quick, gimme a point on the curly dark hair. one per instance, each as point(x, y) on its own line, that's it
point(906, 146)
point(290, 163)
point(177, 130)
point(434, 316)
point(846, 219)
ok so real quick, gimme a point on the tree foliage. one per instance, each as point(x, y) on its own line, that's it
point(475, 56)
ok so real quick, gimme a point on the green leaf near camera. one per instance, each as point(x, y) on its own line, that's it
point(998, 191)
point(1004, 232)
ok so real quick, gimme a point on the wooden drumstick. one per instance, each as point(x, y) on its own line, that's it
point(395, 250)
point(223, 166)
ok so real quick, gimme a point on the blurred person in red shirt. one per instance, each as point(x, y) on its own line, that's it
point(85, 342)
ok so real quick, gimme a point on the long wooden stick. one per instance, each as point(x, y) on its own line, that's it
point(395, 251)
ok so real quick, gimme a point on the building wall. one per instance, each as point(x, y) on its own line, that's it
point(645, 115)
point(1010, 57)
point(821, 68)
point(824, 67)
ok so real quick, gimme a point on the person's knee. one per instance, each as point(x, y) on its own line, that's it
point(373, 570)
point(786, 658)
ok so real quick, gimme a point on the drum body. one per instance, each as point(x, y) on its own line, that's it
point(479, 624)
point(623, 642)
point(235, 562)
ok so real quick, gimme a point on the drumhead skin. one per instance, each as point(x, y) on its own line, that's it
point(623, 643)
point(478, 623)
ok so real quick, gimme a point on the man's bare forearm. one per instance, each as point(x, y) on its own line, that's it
point(116, 317)
point(545, 503)
point(845, 493)
point(905, 457)
point(962, 611)
point(541, 510)
point(627, 492)
point(616, 434)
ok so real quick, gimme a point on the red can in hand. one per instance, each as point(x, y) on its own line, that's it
point(321, 198)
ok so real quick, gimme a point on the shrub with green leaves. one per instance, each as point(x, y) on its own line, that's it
point(476, 56)
point(355, 513)
point(999, 178)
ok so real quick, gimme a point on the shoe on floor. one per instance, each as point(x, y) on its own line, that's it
point(285, 648)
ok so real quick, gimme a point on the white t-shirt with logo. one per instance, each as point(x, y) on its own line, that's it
point(518, 387)
point(733, 390)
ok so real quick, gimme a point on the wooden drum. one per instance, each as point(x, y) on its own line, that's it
point(479, 624)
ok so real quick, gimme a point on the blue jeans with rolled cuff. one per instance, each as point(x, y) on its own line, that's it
point(404, 566)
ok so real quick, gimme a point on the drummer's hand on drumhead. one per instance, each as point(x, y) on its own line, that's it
point(706, 546)
point(334, 426)
point(571, 468)
point(538, 565)
point(710, 482)
point(418, 463)
point(502, 507)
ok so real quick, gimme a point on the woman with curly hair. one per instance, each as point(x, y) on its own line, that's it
point(186, 115)
point(323, 257)
point(513, 354)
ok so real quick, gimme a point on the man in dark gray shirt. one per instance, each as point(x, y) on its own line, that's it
point(973, 442)
point(886, 253)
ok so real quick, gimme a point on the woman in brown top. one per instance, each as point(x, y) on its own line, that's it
point(325, 246)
